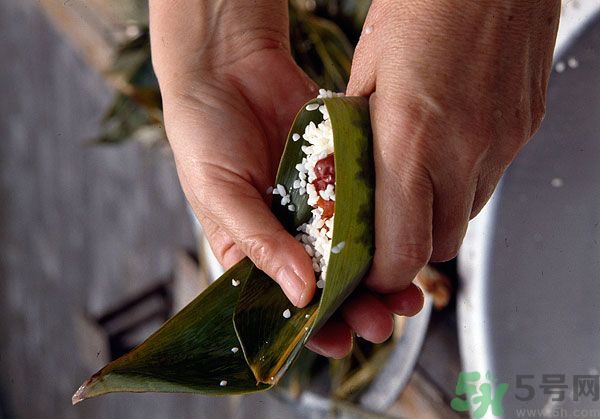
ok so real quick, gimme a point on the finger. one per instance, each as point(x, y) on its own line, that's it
point(368, 316)
point(273, 250)
point(403, 200)
point(407, 302)
point(364, 65)
point(240, 211)
point(454, 190)
point(223, 246)
point(334, 340)
point(489, 176)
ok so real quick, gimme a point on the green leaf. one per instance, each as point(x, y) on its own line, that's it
point(192, 352)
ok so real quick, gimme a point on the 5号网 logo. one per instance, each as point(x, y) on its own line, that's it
point(477, 395)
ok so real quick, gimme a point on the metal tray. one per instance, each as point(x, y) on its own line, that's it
point(530, 264)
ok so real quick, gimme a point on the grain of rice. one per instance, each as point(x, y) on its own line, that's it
point(235, 349)
point(292, 207)
point(269, 190)
point(324, 111)
point(287, 313)
point(295, 137)
point(281, 189)
point(338, 247)
point(223, 383)
point(235, 282)
point(312, 106)
point(572, 62)
point(309, 250)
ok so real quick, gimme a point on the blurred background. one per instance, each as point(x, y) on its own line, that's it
point(98, 246)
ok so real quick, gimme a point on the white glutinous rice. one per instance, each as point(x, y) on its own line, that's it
point(573, 62)
point(316, 180)
point(338, 247)
point(235, 282)
point(295, 136)
point(287, 313)
point(223, 383)
point(323, 94)
point(235, 349)
point(281, 190)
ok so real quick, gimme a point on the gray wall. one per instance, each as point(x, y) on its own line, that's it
point(81, 228)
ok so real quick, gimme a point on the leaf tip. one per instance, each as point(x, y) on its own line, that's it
point(83, 392)
point(79, 395)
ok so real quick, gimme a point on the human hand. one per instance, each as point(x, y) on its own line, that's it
point(456, 89)
point(230, 93)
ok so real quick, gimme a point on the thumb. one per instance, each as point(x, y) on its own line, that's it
point(240, 211)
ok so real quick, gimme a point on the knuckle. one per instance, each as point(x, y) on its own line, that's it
point(412, 255)
point(471, 157)
point(260, 249)
point(538, 111)
point(445, 254)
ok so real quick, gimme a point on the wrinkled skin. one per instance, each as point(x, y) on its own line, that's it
point(455, 92)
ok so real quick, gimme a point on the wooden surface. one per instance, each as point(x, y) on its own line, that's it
point(85, 227)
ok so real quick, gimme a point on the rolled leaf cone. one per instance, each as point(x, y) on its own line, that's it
point(194, 351)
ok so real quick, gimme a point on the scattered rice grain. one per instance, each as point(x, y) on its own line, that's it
point(281, 189)
point(573, 63)
point(338, 247)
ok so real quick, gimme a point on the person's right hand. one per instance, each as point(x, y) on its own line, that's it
point(456, 90)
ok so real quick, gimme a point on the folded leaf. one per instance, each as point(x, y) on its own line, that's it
point(233, 338)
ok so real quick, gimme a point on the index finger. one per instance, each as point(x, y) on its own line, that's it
point(403, 202)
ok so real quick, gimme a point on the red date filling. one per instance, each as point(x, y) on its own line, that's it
point(325, 172)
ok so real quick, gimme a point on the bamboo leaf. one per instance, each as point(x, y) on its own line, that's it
point(243, 309)
point(192, 352)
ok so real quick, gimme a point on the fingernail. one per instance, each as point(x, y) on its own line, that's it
point(293, 286)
